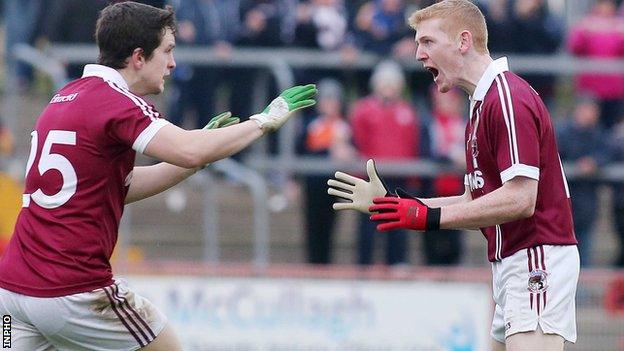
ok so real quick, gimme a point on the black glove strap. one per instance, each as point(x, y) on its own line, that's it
point(433, 218)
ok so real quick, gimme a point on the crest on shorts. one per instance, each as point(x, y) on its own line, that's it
point(538, 281)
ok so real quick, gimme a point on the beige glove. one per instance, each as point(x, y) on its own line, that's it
point(358, 192)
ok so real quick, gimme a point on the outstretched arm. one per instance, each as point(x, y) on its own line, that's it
point(151, 180)
point(195, 148)
point(448, 200)
point(514, 200)
point(186, 151)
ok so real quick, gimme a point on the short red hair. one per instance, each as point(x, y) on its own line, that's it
point(458, 15)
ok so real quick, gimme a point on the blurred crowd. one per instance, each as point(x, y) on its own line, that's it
point(386, 113)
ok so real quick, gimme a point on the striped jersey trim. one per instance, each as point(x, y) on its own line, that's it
point(147, 110)
point(565, 180)
point(512, 118)
point(140, 144)
point(520, 170)
point(506, 116)
point(516, 168)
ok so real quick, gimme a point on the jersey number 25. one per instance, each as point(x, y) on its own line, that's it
point(49, 161)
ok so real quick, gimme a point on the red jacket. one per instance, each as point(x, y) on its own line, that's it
point(385, 130)
point(599, 37)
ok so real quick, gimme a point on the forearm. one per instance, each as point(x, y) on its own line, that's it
point(445, 201)
point(503, 205)
point(151, 180)
point(213, 145)
point(195, 148)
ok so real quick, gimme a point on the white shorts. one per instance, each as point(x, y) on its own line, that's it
point(536, 286)
point(111, 318)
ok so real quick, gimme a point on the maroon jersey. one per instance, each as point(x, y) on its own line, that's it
point(78, 174)
point(510, 134)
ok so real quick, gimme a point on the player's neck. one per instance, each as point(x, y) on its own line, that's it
point(473, 71)
point(132, 79)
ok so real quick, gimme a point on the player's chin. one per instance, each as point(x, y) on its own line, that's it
point(443, 88)
point(158, 89)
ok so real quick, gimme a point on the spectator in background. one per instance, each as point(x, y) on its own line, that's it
point(496, 14)
point(266, 22)
point(328, 135)
point(323, 24)
point(447, 128)
point(380, 25)
point(201, 23)
point(352, 7)
point(532, 29)
point(582, 145)
point(21, 18)
point(385, 127)
point(524, 27)
point(71, 22)
point(263, 23)
point(381, 28)
point(616, 152)
point(601, 35)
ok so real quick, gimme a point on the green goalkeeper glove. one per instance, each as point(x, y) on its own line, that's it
point(283, 106)
point(222, 120)
point(358, 192)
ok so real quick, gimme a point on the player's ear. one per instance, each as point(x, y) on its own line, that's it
point(137, 59)
point(465, 41)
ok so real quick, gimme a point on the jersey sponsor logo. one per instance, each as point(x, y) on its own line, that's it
point(475, 180)
point(63, 98)
point(538, 281)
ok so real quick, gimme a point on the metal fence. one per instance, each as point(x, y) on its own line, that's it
point(280, 63)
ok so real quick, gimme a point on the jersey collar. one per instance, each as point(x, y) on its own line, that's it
point(495, 68)
point(106, 73)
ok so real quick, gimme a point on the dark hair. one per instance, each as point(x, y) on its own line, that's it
point(123, 27)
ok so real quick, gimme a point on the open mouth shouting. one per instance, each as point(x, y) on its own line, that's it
point(433, 71)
